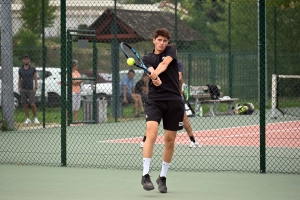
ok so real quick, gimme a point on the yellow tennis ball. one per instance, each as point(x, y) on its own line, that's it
point(130, 61)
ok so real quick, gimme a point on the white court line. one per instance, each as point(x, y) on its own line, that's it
point(210, 138)
point(257, 125)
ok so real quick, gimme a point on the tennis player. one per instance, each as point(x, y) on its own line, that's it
point(186, 122)
point(164, 103)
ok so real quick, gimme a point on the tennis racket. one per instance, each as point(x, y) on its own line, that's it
point(189, 106)
point(130, 52)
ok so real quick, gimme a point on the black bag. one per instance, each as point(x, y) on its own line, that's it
point(214, 91)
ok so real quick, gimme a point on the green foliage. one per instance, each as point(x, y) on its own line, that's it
point(140, 1)
point(31, 13)
point(26, 42)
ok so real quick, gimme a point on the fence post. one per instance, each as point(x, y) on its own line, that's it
point(262, 82)
point(7, 62)
point(63, 81)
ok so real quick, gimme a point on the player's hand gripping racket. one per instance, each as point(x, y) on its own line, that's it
point(129, 52)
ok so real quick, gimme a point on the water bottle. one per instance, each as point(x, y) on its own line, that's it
point(200, 112)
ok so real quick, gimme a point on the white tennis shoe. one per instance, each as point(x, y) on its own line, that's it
point(142, 144)
point(36, 121)
point(27, 121)
point(194, 144)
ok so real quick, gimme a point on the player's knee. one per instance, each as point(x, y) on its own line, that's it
point(151, 136)
point(169, 143)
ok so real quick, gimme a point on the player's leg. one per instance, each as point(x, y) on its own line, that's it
point(76, 105)
point(188, 128)
point(173, 121)
point(154, 115)
point(24, 94)
point(138, 103)
point(134, 99)
point(151, 133)
point(169, 140)
point(139, 98)
point(31, 98)
point(144, 139)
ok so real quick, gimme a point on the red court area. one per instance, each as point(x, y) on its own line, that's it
point(283, 134)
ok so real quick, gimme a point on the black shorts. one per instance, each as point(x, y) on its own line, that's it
point(171, 112)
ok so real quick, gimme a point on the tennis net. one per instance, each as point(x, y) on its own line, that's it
point(285, 95)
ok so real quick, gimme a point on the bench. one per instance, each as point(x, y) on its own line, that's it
point(202, 97)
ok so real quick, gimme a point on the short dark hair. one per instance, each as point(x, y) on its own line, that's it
point(131, 70)
point(161, 32)
point(26, 56)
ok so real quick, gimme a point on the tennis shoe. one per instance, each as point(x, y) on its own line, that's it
point(162, 184)
point(197, 144)
point(142, 144)
point(27, 121)
point(146, 182)
point(36, 121)
point(194, 144)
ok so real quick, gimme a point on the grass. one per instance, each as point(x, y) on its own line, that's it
point(53, 115)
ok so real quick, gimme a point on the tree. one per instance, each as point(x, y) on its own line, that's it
point(31, 13)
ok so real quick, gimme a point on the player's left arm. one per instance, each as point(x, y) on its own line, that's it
point(35, 81)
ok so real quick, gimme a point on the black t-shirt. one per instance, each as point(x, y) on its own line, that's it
point(27, 77)
point(180, 67)
point(168, 90)
point(138, 86)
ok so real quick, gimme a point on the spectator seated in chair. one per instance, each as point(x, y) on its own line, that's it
point(128, 94)
point(141, 87)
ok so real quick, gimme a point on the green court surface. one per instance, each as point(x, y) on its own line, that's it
point(229, 143)
point(19, 182)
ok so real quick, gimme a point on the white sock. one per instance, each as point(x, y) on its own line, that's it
point(146, 166)
point(164, 169)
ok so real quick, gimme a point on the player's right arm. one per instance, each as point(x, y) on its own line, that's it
point(19, 83)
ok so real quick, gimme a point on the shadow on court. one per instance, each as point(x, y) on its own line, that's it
point(63, 183)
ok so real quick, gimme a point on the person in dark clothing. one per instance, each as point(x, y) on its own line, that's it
point(164, 103)
point(27, 74)
point(141, 87)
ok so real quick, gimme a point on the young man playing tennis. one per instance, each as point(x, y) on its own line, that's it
point(186, 123)
point(164, 102)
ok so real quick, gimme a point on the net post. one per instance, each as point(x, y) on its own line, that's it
point(274, 96)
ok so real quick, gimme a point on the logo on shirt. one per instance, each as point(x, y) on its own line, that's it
point(180, 124)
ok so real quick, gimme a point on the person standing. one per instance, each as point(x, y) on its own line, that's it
point(76, 86)
point(27, 90)
point(128, 94)
point(164, 103)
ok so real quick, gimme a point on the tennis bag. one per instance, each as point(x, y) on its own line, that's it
point(245, 109)
point(214, 91)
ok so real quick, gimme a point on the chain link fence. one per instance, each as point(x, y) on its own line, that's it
point(231, 44)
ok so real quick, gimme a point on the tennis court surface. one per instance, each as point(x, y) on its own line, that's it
point(219, 137)
point(48, 183)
